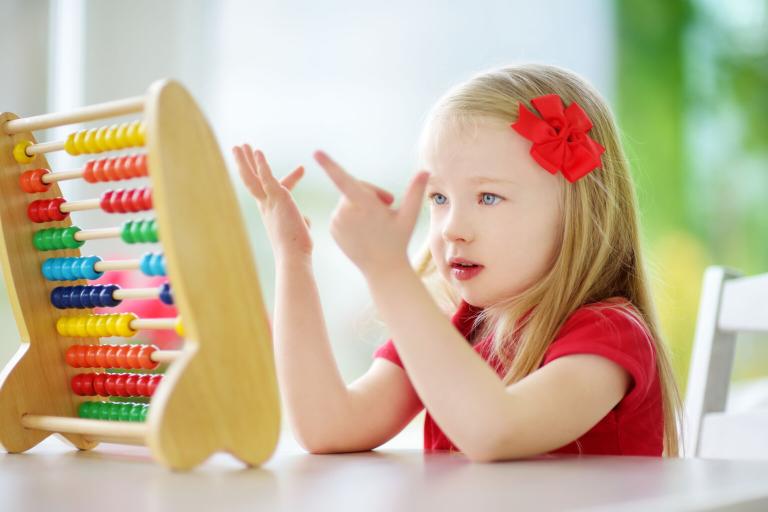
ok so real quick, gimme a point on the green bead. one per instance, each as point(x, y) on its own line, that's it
point(68, 238)
point(85, 410)
point(144, 411)
point(125, 412)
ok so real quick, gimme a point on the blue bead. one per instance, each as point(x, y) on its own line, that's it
point(88, 267)
point(56, 294)
point(65, 270)
point(165, 294)
point(106, 298)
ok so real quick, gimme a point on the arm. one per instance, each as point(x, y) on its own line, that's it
point(547, 409)
point(326, 415)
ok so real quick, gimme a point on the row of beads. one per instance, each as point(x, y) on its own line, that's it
point(112, 201)
point(51, 239)
point(113, 411)
point(46, 210)
point(84, 267)
point(97, 326)
point(126, 200)
point(132, 232)
point(139, 231)
point(106, 138)
point(127, 357)
point(96, 296)
point(91, 296)
point(114, 168)
point(115, 384)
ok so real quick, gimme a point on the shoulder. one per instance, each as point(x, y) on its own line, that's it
point(613, 329)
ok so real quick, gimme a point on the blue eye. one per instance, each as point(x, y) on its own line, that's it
point(490, 199)
point(439, 199)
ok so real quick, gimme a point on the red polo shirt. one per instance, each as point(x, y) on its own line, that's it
point(634, 426)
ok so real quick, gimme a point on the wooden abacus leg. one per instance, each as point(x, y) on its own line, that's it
point(221, 392)
point(35, 381)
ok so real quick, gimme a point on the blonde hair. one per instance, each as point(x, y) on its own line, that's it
point(599, 256)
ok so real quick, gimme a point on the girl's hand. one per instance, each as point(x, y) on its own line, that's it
point(287, 228)
point(373, 235)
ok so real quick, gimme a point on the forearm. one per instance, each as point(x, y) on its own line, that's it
point(462, 393)
point(312, 387)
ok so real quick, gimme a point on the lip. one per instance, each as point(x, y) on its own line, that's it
point(461, 273)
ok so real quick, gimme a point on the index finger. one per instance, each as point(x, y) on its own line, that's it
point(346, 183)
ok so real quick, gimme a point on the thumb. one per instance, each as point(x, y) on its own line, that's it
point(414, 195)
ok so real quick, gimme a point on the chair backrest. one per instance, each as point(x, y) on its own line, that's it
point(730, 303)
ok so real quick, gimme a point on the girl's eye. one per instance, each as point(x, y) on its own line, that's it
point(437, 198)
point(490, 199)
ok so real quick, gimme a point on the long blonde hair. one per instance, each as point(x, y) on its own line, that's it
point(599, 256)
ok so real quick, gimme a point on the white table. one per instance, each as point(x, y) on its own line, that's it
point(54, 476)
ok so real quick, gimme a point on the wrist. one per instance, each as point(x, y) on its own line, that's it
point(292, 261)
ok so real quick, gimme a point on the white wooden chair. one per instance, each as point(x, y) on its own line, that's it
point(730, 303)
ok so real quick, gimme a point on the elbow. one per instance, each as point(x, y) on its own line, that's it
point(491, 448)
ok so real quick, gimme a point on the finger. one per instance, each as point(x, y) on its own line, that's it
point(247, 173)
point(382, 194)
point(293, 178)
point(346, 183)
point(265, 172)
point(414, 196)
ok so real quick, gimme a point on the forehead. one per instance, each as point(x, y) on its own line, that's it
point(475, 148)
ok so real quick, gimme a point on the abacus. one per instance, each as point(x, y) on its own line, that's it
point(218, 392)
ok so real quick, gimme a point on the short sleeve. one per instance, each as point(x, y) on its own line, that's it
point(613, 333)
point(389, 352)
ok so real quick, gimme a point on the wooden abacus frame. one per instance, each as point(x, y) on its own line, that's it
point(220, 391)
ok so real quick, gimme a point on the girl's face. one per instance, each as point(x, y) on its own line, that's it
point(491, 205)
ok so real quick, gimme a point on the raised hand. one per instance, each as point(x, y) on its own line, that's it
point(287, 228)
point(371, 233)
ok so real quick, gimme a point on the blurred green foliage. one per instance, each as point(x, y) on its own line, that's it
point(693, 107)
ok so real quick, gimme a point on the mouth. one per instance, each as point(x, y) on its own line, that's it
point(463, 269)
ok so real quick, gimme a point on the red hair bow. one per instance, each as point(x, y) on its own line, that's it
point(560, 140)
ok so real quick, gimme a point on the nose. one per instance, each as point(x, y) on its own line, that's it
point(457, 227)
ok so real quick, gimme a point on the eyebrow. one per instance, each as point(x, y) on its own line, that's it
point(481, 180)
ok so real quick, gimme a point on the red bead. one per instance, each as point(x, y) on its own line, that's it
point(101, 355)
point(141, 385)
point(99, 380)
point(120, 359)
point(145, 357)
point(130, 384)
point(88, 172)
point(132, 357)
point(154, 381)
point(119, 388)
point(90, 356)
point(71, 356)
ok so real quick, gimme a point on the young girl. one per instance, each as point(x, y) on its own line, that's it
point(526, 328)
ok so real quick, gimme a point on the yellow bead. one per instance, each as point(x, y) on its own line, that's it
point(69, 145)
point(90, 141)
point(124, 325)
point(111, 137)
point(111, 323)
point(101, 139)
point(61, 326)
point(100, 326)
point(179, 327)
point(80, 326)
point(80, 141)
point(20, 152)
point(132, 134)
point(120, 138)
point(142, 134)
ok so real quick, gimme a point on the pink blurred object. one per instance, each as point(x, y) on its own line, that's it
point(143, 308)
